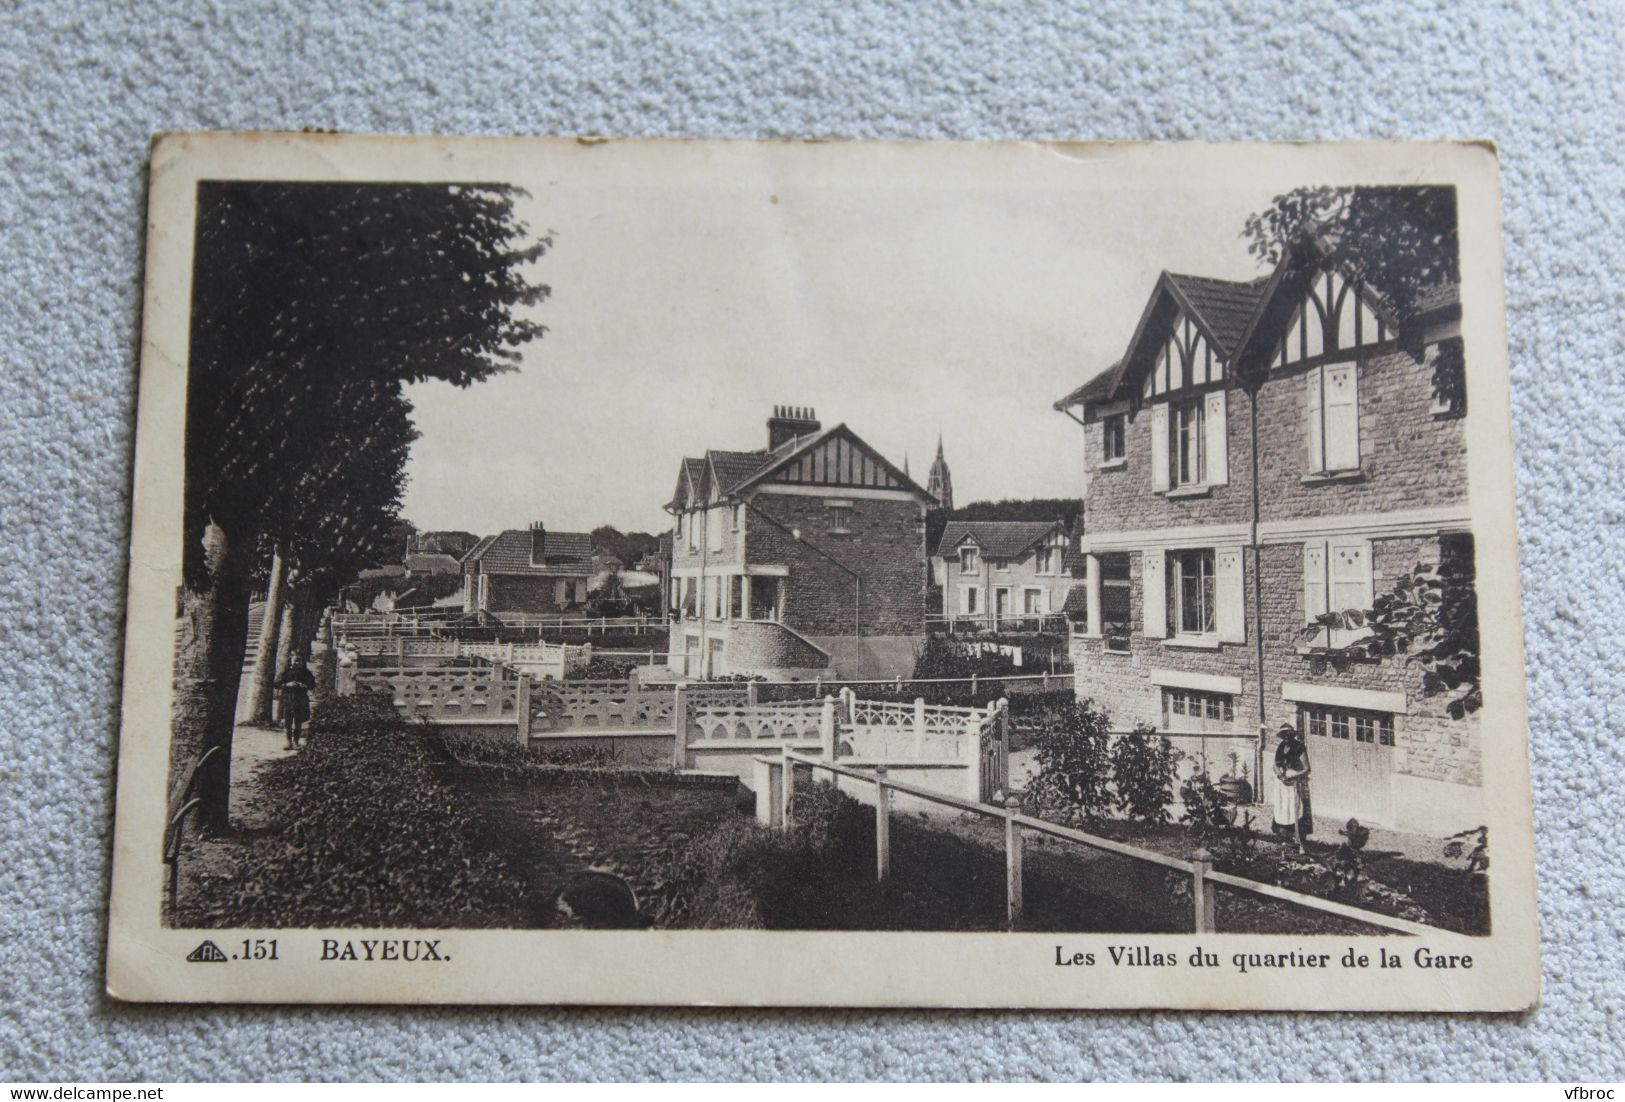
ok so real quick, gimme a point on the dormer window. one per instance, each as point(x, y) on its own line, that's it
point(970, 560)
point(1189, 433)
point(1044, 561)
point(1187, 444)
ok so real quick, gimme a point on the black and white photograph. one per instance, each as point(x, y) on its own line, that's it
point(940, 574)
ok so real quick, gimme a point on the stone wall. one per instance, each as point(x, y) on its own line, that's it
point(1437, 760)
point(884, 544)
point(754, 647)
point(1428, 744)
point(519, 593)
point(1122, 685)
point(1123, 499)
point(1410, 458)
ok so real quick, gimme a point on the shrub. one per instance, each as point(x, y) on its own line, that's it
point(1143, 774)
point(948, 658)
point(486, 750)
point(604, 669)
point(357, 716)
point(820, 874)
point(361, 833)
point(1073, 764)
point(1207, 814)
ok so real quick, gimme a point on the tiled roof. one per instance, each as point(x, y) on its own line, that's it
point(473, 553)
point(1224, 305)
point(509, 553)
point(1077, 600)
point(734, 467)
point(1436, 297)
point(428, 562)
point(1098, 387)
point(999, 539)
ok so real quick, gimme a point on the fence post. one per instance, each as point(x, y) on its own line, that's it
point(750, 693)
point(882, 825)
point(818, 687)
point(971, 755)
point(400, 650)
point(1012, 862)
point(345, 685)
point(788, 781)
point(919, 727)
point(826, 729)
point(522, 699)
point(508, 655)
point(679, 729)
point(457, 647)
point(1202, 892)
point(973, 690)
point(767, 791)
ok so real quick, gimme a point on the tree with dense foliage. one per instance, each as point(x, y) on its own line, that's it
point(1401, 241)
point(314, 304)
point(628, 547)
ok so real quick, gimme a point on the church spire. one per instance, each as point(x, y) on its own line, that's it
point(941, 484)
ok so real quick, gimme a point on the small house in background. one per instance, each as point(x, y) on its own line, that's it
point(528, 572)
point(431, 564)
point(990, 571)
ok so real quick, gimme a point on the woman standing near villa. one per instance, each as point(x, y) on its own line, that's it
point(1292, 815)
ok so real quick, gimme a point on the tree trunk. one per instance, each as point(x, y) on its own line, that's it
point(209, 647)
point(287, 624)
point(266, 651)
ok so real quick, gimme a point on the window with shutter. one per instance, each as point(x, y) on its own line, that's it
point(1230, 608)
point(1159, 446)
point(1154, 597)
point(1349, 587)
point(1192, 593)
point(1218, 466)
point(1332, 404)
point(1314, 586)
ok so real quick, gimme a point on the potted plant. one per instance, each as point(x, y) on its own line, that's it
point(1236, 788)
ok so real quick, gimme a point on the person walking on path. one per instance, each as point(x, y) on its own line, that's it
point(1292, 816)
point(296, 684)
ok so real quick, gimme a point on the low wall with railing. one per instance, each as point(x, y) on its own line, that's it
point(540, 660)
point(959, 750)
point(441, 694)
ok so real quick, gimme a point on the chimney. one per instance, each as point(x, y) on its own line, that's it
point(538, 542)
point(789, 422)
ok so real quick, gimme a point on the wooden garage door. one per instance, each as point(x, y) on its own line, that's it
point(1351, 758)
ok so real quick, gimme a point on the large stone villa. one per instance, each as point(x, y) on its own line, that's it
point(804, 558)
point(1264, 453)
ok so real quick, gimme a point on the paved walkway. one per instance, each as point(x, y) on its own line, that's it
point(251, 748)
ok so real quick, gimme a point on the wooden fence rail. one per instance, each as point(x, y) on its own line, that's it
point(775, 777)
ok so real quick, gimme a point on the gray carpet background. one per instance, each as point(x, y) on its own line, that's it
point(87, 84)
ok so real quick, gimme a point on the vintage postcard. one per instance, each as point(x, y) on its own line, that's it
point(779, 573)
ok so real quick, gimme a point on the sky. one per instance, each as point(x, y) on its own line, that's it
point(906, 290)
